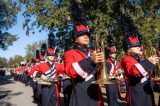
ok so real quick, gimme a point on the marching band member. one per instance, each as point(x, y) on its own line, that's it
point(137, 70)
point(67, 88)
point(35, 87)
point(43, 53)
point(113, 67)
point(157, 76)
point(80, 66)
point(46, 70)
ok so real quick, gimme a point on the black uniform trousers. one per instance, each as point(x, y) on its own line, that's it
point(112, 94)
point(49, 97)
point(84, 93)
point(39, 94)
point(141, 94)
point(34, 88)
point(67, 90)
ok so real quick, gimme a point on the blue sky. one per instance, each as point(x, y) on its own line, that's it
point(18, 47)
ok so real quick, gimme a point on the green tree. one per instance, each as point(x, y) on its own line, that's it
point(3, 62)
point(103, 17)
point(17, 59)
point(8, 11)
point(31, 49)
point(11, 62)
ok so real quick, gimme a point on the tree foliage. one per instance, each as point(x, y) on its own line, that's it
point(31, 49)
point(17, 59)
point(8, 11)
point(11, 62)
point(103, 18)
point(3, 62)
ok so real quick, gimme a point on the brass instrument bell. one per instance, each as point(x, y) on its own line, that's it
point(103, 75)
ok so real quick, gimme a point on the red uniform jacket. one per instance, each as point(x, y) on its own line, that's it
point(75, 64)
point(137, 71)
point(48, 70)
point(114, 67)
point(80, 68)
point(44, 68)
point(132, 67)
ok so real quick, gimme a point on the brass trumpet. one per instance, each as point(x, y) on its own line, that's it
point(101, 67)
point(151, 51)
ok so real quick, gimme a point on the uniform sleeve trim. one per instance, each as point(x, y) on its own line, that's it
point(141, 69)
point(79, 70)
point(34, 74)
point(111, 70)
point(90, 75)
point(144, 79)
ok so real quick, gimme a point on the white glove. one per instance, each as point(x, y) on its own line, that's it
point(43, 77)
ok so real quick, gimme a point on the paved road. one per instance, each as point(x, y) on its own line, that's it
point(14, 93)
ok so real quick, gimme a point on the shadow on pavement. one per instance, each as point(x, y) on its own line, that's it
point(6, 104)
point(4, 92)
point(15, 94)
point(3, 96)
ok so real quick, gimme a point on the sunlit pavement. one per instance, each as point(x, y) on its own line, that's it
point(14, 93)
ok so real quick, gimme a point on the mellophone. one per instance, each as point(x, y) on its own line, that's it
point(47, 82)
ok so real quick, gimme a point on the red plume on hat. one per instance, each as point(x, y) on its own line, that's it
point(79, 19)
point(111, 45)
point(51, 45)
point(132, 40)
point(131, 36)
